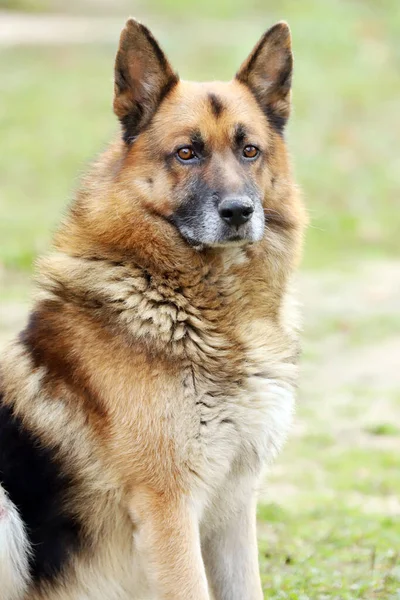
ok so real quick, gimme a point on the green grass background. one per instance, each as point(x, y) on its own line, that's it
point(344, 134)
point(55, 115)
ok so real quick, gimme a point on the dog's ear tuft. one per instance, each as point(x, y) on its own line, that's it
point(143, 77)
point(268, 74)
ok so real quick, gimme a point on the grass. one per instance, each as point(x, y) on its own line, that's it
point(380, 429)
point(24, 5)
point(52, 122)
point(356, 330)
point(333, 552)
point(330, 533)
point(327, 521)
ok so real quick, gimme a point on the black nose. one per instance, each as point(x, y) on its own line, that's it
point(236, 211)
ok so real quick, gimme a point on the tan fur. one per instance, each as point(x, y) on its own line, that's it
point(164, 375)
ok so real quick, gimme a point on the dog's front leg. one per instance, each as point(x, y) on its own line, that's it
point(231, 556)
point(167, 539)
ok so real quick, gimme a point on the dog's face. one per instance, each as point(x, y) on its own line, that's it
point(202, 154)
point(212, 159)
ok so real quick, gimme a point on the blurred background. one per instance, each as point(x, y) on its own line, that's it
point(329, 518)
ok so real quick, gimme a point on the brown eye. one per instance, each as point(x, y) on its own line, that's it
point(186, 153)
point(250, 151)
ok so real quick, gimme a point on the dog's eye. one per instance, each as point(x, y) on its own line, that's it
point(186, 153)
point(250, 151)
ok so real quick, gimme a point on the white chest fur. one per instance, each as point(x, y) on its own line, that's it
point(242, 430)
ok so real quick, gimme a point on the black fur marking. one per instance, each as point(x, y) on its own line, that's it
point(147, 277)
point(131, 125)
point(226, 422)
point(276, 121)
point(284, 81)
point(191, 208)
point(155, 47)
point(240, 135)
point(202, 403)
point(197, 142)
point(216, 104)
point(171, 83)
point(35, 482)
point(119, 76)
point(136, 120)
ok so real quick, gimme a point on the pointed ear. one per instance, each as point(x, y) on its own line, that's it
point(268, 74)
point(143, 77)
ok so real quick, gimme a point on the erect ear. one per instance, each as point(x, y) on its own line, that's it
point(268, 74)
point(143, 77)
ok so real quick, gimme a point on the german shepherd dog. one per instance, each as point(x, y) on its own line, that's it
point(157, 373)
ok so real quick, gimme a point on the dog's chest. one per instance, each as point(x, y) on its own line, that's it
point(233, 428)
point(236, 429)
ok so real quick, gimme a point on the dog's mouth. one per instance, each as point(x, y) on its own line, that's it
point(233, 240)
point(236, 238)
point(207, 229)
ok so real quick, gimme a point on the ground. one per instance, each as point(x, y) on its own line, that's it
point(334, 495)
point(329, 516)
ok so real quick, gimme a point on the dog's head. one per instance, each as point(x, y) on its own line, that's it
point(209, 158)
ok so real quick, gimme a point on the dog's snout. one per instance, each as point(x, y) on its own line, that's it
point(236, 211)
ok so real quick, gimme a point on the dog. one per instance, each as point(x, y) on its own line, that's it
point(156, 375)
